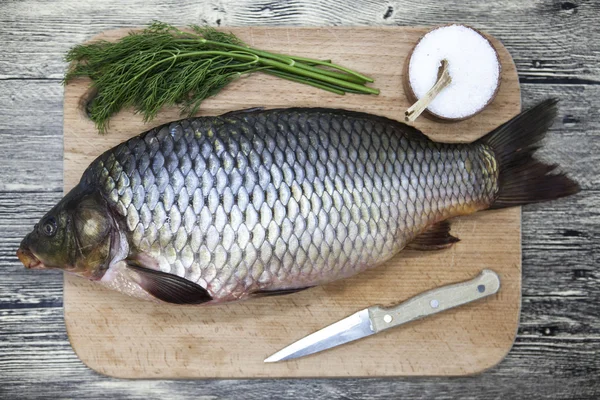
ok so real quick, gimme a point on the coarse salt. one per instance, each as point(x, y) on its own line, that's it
point(472, 65)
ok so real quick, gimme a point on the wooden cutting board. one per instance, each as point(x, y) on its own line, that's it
point(123, 337)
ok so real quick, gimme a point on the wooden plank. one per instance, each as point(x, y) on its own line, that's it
point(36, 358)
point(30, 140)
point(147, 340)
point(549, 41)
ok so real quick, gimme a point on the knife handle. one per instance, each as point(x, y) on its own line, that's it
point(435, 301)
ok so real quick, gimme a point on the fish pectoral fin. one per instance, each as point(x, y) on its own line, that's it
point(278, 292)
point(168, 287)
point(436, 237)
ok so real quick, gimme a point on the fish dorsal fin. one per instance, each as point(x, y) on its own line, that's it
point(436, 237)
point(242, 111)
point(168, 287)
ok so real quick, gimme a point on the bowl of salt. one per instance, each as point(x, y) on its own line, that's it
point(453, 73)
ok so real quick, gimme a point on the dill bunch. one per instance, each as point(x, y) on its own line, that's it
point(164, 66)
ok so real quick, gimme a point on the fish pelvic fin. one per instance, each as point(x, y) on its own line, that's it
point(523, 179)
point(436, 237)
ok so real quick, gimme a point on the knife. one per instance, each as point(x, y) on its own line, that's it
point(376, 319)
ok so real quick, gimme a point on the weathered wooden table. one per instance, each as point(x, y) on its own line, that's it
point(556, 46)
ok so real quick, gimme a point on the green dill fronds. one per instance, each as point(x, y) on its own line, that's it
point(210, 33)
point(164, 66)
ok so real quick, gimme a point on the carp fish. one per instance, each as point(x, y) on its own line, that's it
point(261, 202)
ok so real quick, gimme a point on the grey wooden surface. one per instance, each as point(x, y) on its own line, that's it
point(556, 46)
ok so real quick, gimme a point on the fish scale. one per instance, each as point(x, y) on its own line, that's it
point(277, 199)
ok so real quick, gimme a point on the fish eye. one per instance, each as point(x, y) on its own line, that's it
point(49, 226)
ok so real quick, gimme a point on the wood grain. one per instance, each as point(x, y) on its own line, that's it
point(555, 45)
point(122, 337)
point(551, 41)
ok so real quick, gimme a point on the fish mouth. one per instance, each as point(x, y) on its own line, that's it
point(28, 259)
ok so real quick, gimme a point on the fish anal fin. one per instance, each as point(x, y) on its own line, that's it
point(278, 292)
point(436, 237)
point(167, 287)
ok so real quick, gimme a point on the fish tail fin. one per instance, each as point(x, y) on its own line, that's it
point(522, 178)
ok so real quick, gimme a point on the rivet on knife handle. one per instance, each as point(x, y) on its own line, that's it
point(434, 301)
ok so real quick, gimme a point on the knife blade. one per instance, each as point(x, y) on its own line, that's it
point(376, 319)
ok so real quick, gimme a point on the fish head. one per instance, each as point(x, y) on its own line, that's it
point(79, 235)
